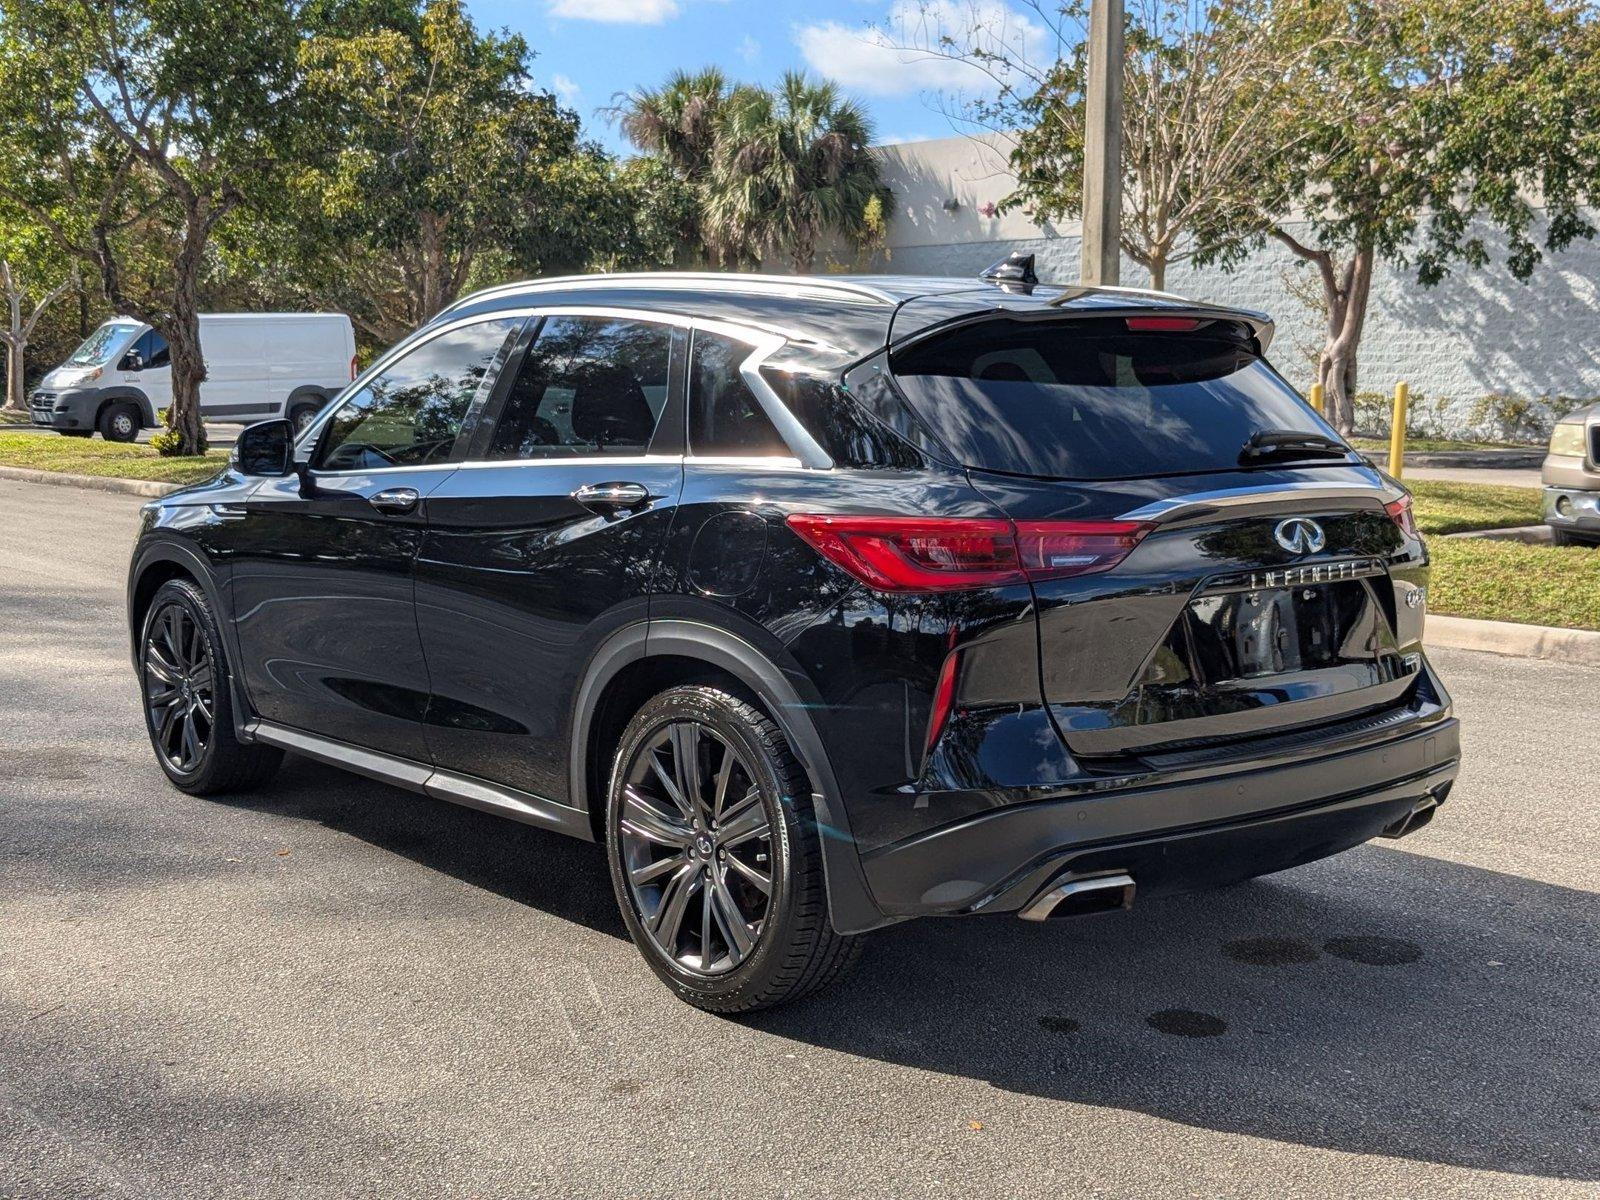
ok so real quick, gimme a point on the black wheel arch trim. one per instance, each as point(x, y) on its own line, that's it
point(851, 907)
point(308, 391)
point(165, 550)
point(110, 395)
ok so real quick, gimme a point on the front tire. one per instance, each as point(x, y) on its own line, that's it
point(1565, 537)
point(119, 422)
point(714, 855)
point(188, 703)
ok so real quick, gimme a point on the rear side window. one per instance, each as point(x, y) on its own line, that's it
point(587, 386)
point(1094, 399)
point(725, 418)
point(413, 410)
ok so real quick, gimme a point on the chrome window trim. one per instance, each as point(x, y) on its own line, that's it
point(667, 281)
point(577, 460)
point(1172, 506)
point(308, 438)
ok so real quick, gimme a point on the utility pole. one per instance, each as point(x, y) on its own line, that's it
point(1102, 147)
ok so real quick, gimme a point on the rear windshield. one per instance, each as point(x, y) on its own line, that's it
point(1093, 399)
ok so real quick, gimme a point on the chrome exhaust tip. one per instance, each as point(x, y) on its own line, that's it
point(1081, 897)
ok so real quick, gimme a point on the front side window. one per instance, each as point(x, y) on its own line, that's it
point(586, 386)
point(151, 349)
point(412, 412)
point(725, 418)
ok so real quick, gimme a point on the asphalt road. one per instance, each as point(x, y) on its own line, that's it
point(334, 988)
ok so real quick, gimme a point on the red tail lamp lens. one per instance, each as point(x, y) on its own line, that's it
point(1401, 514)
point(1059, 549)
point(944, 698)
point(1163, 324)
point(931, 554)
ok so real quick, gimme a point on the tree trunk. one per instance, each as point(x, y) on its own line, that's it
point(804, 251)
point(14, 378)
point(183, 342)
point(1347, 317)
point(1158, 271)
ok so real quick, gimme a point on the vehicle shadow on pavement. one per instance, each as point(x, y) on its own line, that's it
point(1381, 1002)
point(1377, 1003)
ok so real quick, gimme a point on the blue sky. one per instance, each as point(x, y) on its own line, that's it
point(588, 50)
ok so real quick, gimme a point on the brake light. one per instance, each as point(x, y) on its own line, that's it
point(353, 371)
point(1400, 512)
point(934, 554)
point(1163, 324)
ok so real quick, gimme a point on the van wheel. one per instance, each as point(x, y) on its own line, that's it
point(714, 855)
point(1565, 537)
point(119, 422)
point(301, 415)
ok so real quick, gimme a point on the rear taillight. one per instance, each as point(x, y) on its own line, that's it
point(1401, 514)
point(944, 698)
point(1163, 324)
point(935, 554)
point(353, 371)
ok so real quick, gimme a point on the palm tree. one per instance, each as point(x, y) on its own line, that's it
point(677, 123)
point(790, 165)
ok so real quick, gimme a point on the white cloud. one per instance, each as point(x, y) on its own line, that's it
point(615, 12)
point(904, 53)
point(749, 49)
point(565, 88)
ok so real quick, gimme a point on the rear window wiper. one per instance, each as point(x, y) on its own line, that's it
point(1291, 443)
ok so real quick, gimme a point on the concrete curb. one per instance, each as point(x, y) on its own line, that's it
point(1580, 647)
point(99, 483)
point(1533, 535)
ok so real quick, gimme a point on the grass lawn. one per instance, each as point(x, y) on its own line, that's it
point(91, 456)
point(1370, 445)
point(1503, 581)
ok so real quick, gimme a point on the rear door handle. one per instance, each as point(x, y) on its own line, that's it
point(398, 500)
point(608, 498)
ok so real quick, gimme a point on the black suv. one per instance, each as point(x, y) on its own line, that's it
point(822, 602)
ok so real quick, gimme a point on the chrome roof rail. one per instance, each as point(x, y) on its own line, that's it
point(720, 281)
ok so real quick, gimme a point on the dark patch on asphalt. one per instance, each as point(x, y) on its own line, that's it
point(626, 1087)
point(1058, 1024)
point(1271, 951)
point(1184, 1022)
point(1374, 951)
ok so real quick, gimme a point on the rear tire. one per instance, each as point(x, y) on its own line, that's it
point(188, 701)
point(721, 890)
point(301, 415)
point(119, 421)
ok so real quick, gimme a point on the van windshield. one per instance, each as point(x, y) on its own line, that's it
point(100, 345)
point(1100, 398)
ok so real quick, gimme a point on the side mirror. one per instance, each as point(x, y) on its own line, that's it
point(266, 448)
point(132, 361)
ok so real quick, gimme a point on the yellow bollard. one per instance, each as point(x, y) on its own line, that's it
point(1397, 431)
point(1316, 400)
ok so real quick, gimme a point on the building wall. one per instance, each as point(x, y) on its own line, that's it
point(1479, 332)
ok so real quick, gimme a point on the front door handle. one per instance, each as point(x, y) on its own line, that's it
point(399, 500)
point(608, 498)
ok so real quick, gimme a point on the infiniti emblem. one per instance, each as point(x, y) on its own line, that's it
point(1300, 535)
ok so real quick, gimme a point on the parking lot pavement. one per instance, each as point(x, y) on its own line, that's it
point(333, 988)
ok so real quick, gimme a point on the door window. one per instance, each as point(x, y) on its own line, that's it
point(725, 418)
point(412, 412)
point(586, 386)
point(151, 348)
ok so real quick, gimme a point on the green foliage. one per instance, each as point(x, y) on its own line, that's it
point(121, 460)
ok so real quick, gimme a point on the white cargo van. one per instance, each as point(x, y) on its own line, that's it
point(258, 366)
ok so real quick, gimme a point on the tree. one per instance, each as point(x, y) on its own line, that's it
point(432, 152)
point(27, 295)
point(677, 124)
point(790, 165)
point(133, 123)
point(1416, 130)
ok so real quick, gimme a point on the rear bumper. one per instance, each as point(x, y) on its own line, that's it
point(1199, 833)
point(1571, 508)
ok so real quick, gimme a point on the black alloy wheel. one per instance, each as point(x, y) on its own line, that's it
point(715, 857)
point(697, 847)
point(180, 688)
